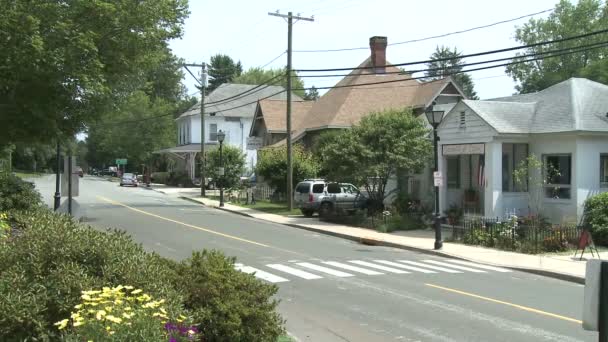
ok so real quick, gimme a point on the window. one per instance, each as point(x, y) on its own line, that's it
point(212, 132)
point(333, 188)
point(453, 172)
point(318, 188)
point(303, 188)
point(463, 118)
point(349, 189)
point(558, 176)
point(513, 157)
point(604, 170)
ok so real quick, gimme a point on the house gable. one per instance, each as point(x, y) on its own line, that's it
point(463, 124)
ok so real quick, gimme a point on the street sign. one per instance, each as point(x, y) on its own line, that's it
point(438, 181)
point(122, 161)
point(64, 179)
point(254, 143)
point(437, 174)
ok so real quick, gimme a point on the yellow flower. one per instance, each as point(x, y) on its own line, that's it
point(136, 291)
point(62, 324)
point(118, 288)
point(163, 311)
point(128, 308)
point(118, 301)
point(114, 319)
point(78, 323)
point(127, 315)
point(75, 315)
point(108, 308)
point(79, 306)
point(108, 328)
point(191, 332)
point(129, 287)
point(86, 297)
point(100, 314)
point(91, 292)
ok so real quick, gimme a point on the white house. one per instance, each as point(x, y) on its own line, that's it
point(483, 142)
point(229, 108)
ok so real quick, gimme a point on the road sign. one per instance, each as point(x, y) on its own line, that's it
point(64, 179)
point(122, 161)
point(254, 143)
point(438, 181)
point(437, 174)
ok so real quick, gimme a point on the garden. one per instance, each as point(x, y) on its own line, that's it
point(63, 281)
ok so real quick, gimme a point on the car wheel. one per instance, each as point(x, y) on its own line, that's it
point(326, 209)
point(307, 212)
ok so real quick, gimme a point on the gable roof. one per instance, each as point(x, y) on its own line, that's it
point(576, 104)
point(273, 114)
point(227, 90)
point(345, 106)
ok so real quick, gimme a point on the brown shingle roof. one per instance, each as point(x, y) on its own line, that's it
point(343, 107)
point(273, 112)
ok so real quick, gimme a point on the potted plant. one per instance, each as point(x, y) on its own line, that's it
point(454, 213)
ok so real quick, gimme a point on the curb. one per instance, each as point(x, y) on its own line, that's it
point(551, 274)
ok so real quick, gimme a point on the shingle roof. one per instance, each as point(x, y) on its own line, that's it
point(576, 104)
point(273, 112)
point(343, 107)
point(227, 90)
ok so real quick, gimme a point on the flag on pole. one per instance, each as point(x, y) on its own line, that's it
point(481, 179)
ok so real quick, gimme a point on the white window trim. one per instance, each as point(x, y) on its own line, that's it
point(549, 185)
point(603, 185)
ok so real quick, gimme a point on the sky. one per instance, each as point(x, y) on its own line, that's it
point(244, 31)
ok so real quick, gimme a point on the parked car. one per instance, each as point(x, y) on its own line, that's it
point(317, 195)
point(128, 179)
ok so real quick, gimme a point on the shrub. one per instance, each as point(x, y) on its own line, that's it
point(17, 194)
point(596, 218)
point(179, 178)
point(227, 304)
point(233, 161)
point(159, 177)
point(272, 166)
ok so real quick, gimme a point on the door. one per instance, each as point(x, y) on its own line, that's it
point(301, 193)
point(334, 191)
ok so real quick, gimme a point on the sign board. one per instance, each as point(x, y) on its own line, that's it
point(437, 174)
point(64, 179)
point(254, 143)
point(591, 302)
point(438, 181)
point(220, 171)
point(452, 150)
point(121, 161)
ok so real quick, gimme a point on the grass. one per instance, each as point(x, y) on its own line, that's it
point(27, 174)
point(285, 338)
point(267, 207)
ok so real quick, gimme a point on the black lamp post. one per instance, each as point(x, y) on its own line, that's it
point(435, 117)
point(220, 137)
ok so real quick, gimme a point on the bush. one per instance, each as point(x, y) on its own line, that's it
point(272, 166)
point(179, 178)
point(17, 194)
point(207, 280)
point(159, 177)
point(596, 218)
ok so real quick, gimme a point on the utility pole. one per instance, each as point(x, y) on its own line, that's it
point(290, 18)
point(203, 84)
point(57, 197)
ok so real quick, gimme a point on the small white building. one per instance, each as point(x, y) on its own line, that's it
point(482, 142)
point(229, 108)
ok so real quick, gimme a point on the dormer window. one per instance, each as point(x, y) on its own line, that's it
point(463, 120)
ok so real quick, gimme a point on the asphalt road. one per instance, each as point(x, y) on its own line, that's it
point(338, 290)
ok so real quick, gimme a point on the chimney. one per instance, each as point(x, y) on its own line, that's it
point(377, 45)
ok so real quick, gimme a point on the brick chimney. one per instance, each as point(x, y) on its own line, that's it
point(377, 46)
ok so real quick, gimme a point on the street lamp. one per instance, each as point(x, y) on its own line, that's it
point(434, 117)
point(220, 137)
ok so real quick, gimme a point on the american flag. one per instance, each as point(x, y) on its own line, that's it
point(481, 178)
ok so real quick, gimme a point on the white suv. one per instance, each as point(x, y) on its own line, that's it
point(317, 195)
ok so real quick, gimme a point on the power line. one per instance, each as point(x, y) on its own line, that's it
point(266, 84)
point(468, 55)
point(436, 36)
point(274, 59)
point(463, 65)
point(191, 74)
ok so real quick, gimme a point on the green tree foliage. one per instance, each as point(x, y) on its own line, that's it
point(447, 67)
point(222, 69)
point(372, 151)
point(234, 166)
point(260, 76)
point(566, 20)
point(596, 217)
point(312, 94)
point(61, 64)
point(33, 157)
point(272, 166)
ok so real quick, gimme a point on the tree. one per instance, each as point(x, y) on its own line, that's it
point(222, 69)
point(565, 21)
point(312, 94)
point(233, 163)
point(261, 76)
point(447, 67)
point(372, 151)
point(60, 64)
point(272, 166)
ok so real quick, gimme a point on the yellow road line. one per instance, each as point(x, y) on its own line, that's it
point(521, 307)
point(182, 223)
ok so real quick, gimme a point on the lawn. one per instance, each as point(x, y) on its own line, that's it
point(279, 208)
point(26, 174)
point(285, 338)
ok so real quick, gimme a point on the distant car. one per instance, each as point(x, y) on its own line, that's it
point(317, 195)
point(128, 179)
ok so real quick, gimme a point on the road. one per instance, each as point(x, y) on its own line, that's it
point(338, 290)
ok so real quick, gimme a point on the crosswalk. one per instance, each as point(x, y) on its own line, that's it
point(285, 272)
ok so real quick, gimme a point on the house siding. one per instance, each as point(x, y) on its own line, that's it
point(588, 150)
point(474, 130)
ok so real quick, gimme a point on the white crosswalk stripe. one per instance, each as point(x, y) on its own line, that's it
point(294, 271)
point(380, 267)
point(411, 268)
point(351, 268)
point(324, 269)
point(443, 269)
point(260, 274)
point(485, 267)
point(454, 266)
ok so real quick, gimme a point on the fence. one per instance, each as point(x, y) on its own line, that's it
point(526, 235)
point(263, 192)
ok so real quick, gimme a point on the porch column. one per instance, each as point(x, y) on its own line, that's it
point(493, 179)
point(443, 188)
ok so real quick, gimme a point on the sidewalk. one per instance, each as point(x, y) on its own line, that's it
point(561, 266)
